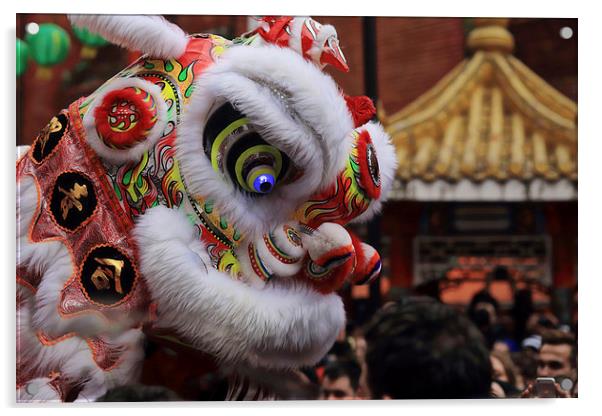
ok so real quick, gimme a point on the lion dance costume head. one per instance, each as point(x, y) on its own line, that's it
point(199, 196)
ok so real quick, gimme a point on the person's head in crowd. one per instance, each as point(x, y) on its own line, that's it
point(422, 349)
point(541, 322)
point(522, 309)
point(341, 380)
point(483, 311)
point(557, 356)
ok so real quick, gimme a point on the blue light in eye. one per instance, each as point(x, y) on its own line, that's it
point(264, 183)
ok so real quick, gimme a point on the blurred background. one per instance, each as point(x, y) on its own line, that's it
point(483, 116)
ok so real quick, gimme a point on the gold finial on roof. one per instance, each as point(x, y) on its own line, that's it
point(491, 34)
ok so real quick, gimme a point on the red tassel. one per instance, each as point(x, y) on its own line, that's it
point(361, 108)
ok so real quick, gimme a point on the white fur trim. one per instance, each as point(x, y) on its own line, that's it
point(387, 164)
point(119, 156)
point(320, 149)
point(99, 381)
point(280, 326)
point(152, 35)
point(73, 358)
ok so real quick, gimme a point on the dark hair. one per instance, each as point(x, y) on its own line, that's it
point(344, 367)
point(139, 393)
point(482, 296)
point(558, 337)
point(421, 349)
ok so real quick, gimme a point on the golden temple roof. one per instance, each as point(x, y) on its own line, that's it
point(490, 118)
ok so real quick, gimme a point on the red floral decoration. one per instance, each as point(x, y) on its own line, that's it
point(125, 117)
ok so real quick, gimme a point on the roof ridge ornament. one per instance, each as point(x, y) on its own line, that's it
point(490, 34)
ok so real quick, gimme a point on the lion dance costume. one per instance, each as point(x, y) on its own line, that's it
point(199, 195)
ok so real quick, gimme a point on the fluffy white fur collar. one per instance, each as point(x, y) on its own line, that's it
point(282, 325)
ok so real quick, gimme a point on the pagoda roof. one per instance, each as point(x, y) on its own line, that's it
point(490, 129)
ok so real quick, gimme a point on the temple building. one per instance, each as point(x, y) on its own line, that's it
point(486, 189)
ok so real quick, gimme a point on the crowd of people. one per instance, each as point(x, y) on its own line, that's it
point(419, 348)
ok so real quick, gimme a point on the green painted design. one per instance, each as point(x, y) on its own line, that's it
point(149, 65)
point(236, 235)
point(117, 191)
point(168, 66)
point(208, 208)
point(183, 74)
point(223, 223)
point(127, 177)
point(50, 45)
point(189, 91)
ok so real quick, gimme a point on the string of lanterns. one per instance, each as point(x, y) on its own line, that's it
point(48, 45)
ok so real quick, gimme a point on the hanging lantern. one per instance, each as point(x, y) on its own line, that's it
point(90, 41)
point(48, 46)
point(22, 56)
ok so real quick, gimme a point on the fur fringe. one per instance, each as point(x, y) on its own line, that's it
point(152, 35)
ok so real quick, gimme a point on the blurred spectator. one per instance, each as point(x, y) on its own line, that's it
point(506, 374)
point(497, 392)
point(526, 363)
point(421, 349)
point(521, 311)
point(541, 322)
point(483, 311)
point(557, 358)
point(341, 380)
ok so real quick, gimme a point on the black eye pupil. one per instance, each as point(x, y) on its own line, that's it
point(265, 187)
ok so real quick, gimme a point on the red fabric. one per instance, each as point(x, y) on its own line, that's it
point(372, 189)
point(276, 35)
point(360, 258)
point(334, 280)
point(108, 224)
point(361, 108)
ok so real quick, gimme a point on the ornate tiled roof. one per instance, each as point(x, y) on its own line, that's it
point(491, 119)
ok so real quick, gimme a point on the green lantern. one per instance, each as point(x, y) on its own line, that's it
point(22, 56)
point(48, 46)
point(91, 42)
